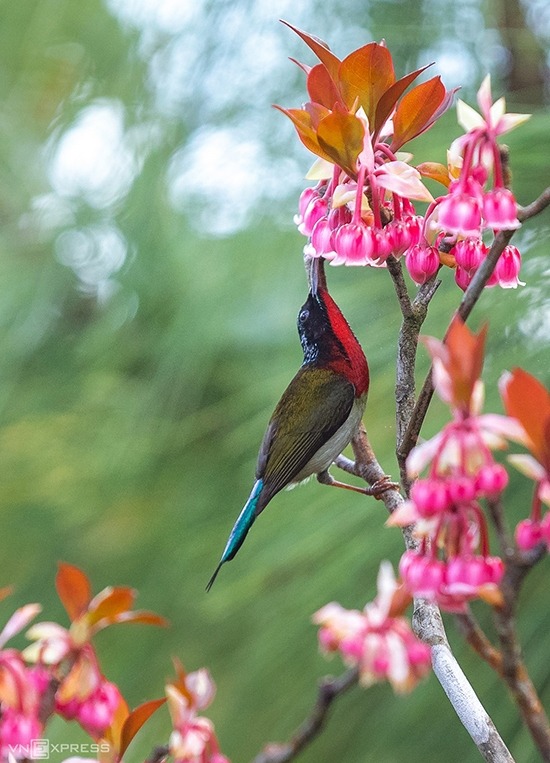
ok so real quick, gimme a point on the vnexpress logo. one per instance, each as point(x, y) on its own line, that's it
point(41, 749)
point(38, 749)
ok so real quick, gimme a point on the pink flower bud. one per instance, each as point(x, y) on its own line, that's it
point(96, 713)
point(461, 490)
point(528, 534)
point(460, 213)
point(491, 480)
point(315, 210)
point(500, 209)
point(469, 254)
point(430, 497)
point(339, 216)
point(465, 575)
point(321, 237)
point(422, 576)
point(507, 268)
point(307, 195)
point(353, 244)
point(422, 262)
point(462, 278)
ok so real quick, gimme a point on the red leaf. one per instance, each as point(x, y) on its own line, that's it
point(321, 87)
point(364, 76)
point(528, 401)
point(466, 351)
point(135, 721)
point(303, 123)
point(321, 50)
point(111, 602)
point(418, 110)
point(390, 97)
point(73, 588)
point(341, 135)
point(139, 616)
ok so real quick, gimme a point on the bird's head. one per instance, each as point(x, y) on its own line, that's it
point(328, 341)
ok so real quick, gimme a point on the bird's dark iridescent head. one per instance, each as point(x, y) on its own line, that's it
point(328, 341)
point(316, 333)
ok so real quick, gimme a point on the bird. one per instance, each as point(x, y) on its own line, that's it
point(317, 415)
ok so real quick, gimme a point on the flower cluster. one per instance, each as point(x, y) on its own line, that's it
point(193, 739)
point(477, 197)
point(362, 209)
point(452, 563)
point(378, 640)
point(528, 401)
point(59, 675)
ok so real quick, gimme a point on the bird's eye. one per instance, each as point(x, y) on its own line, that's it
point(304, 315)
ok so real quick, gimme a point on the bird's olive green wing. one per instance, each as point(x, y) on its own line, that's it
point(313, 407)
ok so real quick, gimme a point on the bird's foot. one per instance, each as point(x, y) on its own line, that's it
point(376, 490)
point(381, 486)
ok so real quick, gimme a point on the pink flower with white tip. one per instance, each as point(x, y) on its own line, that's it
point(377, 640)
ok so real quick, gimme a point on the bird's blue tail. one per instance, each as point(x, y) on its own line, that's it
point(240, 529)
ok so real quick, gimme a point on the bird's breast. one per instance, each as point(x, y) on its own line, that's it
point(332, 448)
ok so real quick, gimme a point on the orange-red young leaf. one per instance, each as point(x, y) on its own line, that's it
point(6, 591)
point(364, 76)
point(466, 351)
point(139, 616)
point(303, 123)
point(135, 721)
point(435, 171)
point(316, 113)
point(321, 87)
point(111, 602)
point(415, 112)
point(341, 135)
point(528, 401)
point(321, 50)
point(390, 97)
point(73, 588)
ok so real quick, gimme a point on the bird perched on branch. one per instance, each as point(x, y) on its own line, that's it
point(317, 415)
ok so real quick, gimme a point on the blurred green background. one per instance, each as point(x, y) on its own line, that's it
point(150, 278)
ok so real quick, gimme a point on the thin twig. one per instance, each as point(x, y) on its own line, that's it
point(476, 638)
point(329, 690)
point(514, 670)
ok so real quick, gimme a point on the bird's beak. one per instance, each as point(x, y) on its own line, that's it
point(316, 274)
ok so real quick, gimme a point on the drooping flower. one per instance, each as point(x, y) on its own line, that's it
point(378, 640)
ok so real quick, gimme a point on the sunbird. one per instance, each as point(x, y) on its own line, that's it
point(317, 415)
